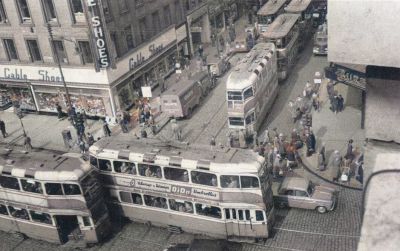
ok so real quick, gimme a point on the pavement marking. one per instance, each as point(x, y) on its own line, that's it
point(316, 233)
point(277, 247)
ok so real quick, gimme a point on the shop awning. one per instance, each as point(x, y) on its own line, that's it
point(348, 74)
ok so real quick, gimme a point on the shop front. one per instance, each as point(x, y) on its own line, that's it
point(18, 92)
point(199, 27)
point(95, 102)
point(148, 66)
point(39, 89)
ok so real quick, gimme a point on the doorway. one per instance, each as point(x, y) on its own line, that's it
point(68, 227)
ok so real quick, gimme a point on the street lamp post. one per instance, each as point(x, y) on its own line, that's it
point(49, 28)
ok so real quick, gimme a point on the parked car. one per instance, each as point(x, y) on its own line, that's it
point(301, 193)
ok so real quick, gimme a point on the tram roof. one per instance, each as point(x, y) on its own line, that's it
point(297, 6)
point(281, 26)
point(42, 164)
point(240, 77)
point(271, 7)
point(184, 82)
point(173, 153)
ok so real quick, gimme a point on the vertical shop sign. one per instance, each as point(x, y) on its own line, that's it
point(98, 34)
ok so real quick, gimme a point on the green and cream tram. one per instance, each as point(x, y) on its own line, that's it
point(251, 89)
point(305, 10)
point(221, 193)
point(52, 197)
point(284, 33)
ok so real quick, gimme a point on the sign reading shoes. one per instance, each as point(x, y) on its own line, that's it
point(103, 59)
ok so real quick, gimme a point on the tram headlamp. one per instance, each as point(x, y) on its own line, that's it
point(279, 42)
point(242, 46)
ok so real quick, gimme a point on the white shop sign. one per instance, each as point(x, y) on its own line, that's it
point(52, 74)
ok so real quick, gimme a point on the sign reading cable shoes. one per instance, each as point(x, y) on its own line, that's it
point(103, 60)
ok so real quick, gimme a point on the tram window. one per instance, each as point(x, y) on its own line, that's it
point(176, 174)
point(125, 197)
point(31, 186)
point(125, 167)
point(259, 215)
point(93, 161)
point(105, 165)
point(236, 121)
point(18, 213)
point(3, 210)
point(248, 93)
point(98, 212)
point(181, 206)
point(209, 211)
point(150, 171)
point(9, 182)
point(250, 118)
point(227, 213)
point(249, 182)
point(234, 214)
point(71, 189)
point(86, 221)
point(237, 96)
point(137, 199)
point(207, 179)
point(247, 214)
point(153, 201)
point(53, 189)
point(229, 181)
point(41, 217)
point(240, 214)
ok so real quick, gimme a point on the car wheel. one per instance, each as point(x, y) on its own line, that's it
point(321, 210)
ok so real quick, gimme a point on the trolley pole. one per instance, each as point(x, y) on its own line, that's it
point(49, 28)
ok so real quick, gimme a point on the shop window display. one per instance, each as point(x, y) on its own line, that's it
point(23, 96)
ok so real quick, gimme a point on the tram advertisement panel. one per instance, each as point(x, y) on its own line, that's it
point(168, 188)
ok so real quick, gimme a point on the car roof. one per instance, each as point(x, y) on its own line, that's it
point(295, 183)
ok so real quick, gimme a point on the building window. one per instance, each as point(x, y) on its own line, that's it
point(59, 51)
point(139, 3)
point(178, 12)
point(129, 38)
point(86, 52)
point(3, 17)
point(123, 6)
point(187, 5)
point(114, 38)
point(24, 13)
point(167, 16)
point(156, 23)
point(10, 49)
point(107, 10)
point(77, 11)
point(143, 29)
point(34, 50)
point(49, 11)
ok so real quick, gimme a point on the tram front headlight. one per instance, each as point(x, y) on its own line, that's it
point(242, 46)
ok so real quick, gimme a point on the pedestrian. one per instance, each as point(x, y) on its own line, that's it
point(340, 103)
point(277, 166)
point(349, 152)
point(242, 139)
point(143, 133)
point(230, 140)
point(82, 146)
point(90, 139)
point(84, 118)
point(212, 141)
point(122, 124)
point(106, 129)
point(59, 111)
point(336, 164)
point(266, 137)
point(213, 39)
point(310, 144)
point(250, 17)
point(315, 101)
point(330, 89)
point(200, 50)
point(3, 128)
point(290, 155)
point(334, 104)
point(27, 143)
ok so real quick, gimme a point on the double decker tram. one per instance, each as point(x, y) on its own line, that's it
point(251, 89)
point(52, 197)
point(268, 12)
point(305, 10)
point(284, 33)
point(222, 193)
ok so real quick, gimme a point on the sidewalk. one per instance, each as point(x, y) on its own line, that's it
point(44, 130)
point(334, 130)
